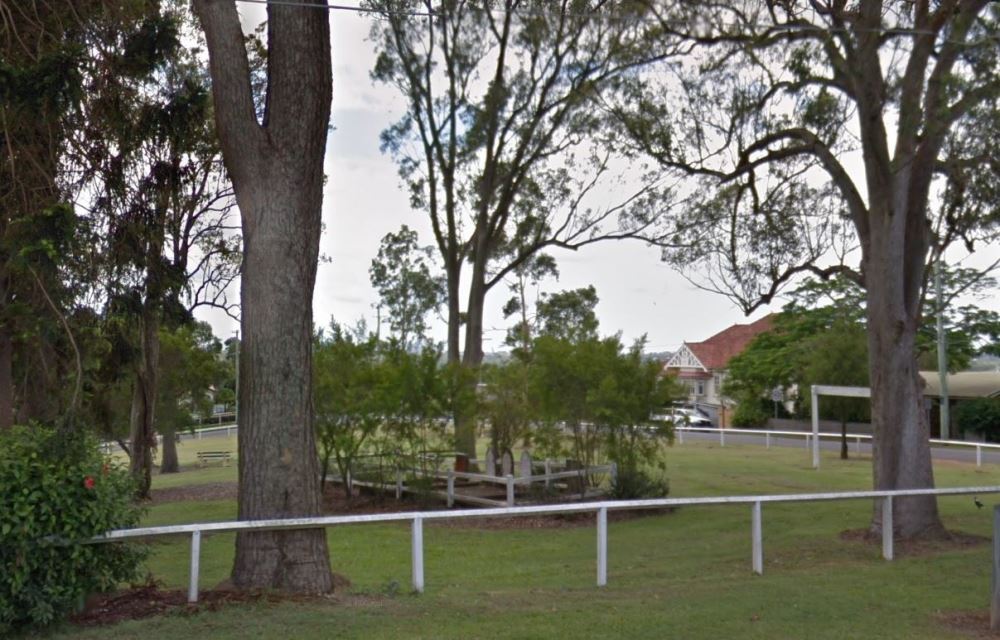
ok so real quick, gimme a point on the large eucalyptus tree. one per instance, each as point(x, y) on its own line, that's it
point(812, 127)
point(276, 165)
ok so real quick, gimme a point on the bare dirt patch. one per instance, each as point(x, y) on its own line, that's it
point(210, 491)
point(972, 624)
point(148, 600)
point(953, 540)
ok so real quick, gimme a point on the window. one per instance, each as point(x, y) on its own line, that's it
point(699, 388)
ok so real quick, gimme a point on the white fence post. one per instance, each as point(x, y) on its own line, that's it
point(195, 562)
point(451, 488)
point(857, 445)
point(602, 546)
point(613, 472)
point(399, 484)
point(510, 490)
point(680, 436)
point(767, 440)
point(887, 527)
point(758, 541)
point(548, 470)
point(979, 456)
point(418, 555)
point(722, 437)
point(815, 425)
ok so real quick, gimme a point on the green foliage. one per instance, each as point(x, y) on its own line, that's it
point(506, 404)
point(981, 415)
point(636, 484)
point(189, 367)
point(569, 315)
point(750, 413)
point(348, 395)
point(56, 490)
point(819, 338)
point(380, 404)
point(401, 273)
point(603, 396)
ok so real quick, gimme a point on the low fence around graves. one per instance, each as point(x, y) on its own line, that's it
point(552, 473)
point(856, 438)
point(601, 509)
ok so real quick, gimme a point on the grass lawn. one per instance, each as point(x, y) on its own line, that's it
point(684, 575)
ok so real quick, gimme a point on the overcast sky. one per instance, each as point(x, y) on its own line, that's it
point(364, 201)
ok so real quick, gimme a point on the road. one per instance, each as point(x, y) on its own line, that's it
point(733, 436)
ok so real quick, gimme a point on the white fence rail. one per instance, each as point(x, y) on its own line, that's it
point(417, 518)
point(812, 445)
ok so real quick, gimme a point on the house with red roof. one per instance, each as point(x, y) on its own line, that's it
point(702, 365)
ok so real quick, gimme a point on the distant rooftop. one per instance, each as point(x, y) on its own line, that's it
point(717, 351)
point(964, 384)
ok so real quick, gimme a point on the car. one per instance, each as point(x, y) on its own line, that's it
point(683, 418)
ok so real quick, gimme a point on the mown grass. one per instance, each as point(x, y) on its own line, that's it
point(680, 575)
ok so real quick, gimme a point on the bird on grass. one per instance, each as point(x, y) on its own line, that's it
point(975, 499)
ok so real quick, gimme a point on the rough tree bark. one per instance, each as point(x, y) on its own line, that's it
point(169, 462)
point(277, 172)
point(142, 433)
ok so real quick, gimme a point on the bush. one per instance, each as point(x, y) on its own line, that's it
point(750, 414)
point(55, 491)
point(981, 415)
point(635, 484)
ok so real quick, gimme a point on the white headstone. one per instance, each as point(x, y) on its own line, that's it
point(507, 463)
point(491, 462)
point(525, 466)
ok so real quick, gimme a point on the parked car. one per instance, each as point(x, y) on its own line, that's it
point(683, 418)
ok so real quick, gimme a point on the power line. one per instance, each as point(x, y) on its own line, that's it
point(605, 16)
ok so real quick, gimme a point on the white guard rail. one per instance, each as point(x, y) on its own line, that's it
point(808, 436)
point(417, 518)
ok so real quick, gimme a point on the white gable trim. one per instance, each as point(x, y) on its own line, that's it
point(685, 358)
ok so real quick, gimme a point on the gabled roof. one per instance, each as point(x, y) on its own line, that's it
point(717, 351)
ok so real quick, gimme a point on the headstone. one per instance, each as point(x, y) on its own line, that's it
point(507, 463)
point(491, 462)
point(525, 466)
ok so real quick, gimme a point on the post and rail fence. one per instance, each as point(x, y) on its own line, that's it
point(812, 439)
point(601, 509)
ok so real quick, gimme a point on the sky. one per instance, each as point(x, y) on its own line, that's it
point(364, 200)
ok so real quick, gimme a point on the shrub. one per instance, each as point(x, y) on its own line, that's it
point(55, 491)
point(749, 413)
point(635, 484)
point(981, 415)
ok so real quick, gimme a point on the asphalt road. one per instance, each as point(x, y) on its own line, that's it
point(733, 436)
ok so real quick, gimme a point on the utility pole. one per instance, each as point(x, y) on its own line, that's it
point(942, 352)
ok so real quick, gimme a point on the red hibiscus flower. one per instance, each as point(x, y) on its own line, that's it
point(88, 482)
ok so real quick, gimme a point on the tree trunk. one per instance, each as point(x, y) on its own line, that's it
point(843, 439)
point(142, 415)
point(472, 358)
point(169, 462)
point(901, 458)
point(454, 315)
point(278, 463)
point(6, 379)
point(277, 172)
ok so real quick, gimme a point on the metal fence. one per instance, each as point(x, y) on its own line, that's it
point(417, 518)
point(811, 444)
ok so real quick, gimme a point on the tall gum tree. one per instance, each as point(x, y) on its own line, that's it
point(276, 165)
point(765, 115)
point(501, 141)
